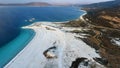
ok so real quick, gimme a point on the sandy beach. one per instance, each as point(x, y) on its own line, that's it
point(68, 48)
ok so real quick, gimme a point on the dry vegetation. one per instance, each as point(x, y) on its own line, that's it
point(104, 25)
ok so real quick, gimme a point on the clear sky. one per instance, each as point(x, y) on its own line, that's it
point(52, 1)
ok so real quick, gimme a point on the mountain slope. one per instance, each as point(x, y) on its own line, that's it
point(103, 4)
point(102, 24)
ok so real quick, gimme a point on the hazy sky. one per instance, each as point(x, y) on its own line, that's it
point(52, 1)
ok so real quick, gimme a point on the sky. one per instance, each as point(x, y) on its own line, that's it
point(53, 1)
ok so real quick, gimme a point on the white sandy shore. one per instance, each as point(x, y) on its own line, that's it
point(69, 48)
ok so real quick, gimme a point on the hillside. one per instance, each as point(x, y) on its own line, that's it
point(105, 24)
point(102, 5)
point(101, 27)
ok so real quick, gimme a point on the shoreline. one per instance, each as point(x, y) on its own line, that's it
point(33, 52)
point(13, 48)
point(37, 34)
point(85, 12)
point(81, 16)
point(33, 40)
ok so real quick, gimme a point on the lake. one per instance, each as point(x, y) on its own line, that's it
point(13, 38)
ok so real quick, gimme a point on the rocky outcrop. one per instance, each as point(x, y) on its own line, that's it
point(50, 52)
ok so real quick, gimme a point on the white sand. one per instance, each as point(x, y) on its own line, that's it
point(69, 48)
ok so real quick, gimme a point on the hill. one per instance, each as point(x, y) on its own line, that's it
point(102, 24)
point(28, 4)
point(102, 5)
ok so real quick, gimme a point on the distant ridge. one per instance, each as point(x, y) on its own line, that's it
point(107, 4)
point(27, 4)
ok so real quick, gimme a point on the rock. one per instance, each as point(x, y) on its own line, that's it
point(102, 61)
point(51, 52)
point(76, 63)
point(85, 63)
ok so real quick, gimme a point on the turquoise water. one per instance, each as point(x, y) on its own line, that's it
point(13, 18)
point(10, 50)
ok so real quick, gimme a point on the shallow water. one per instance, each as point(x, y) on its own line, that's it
point(13, 18)
point(13, 39)
point(11, 49)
